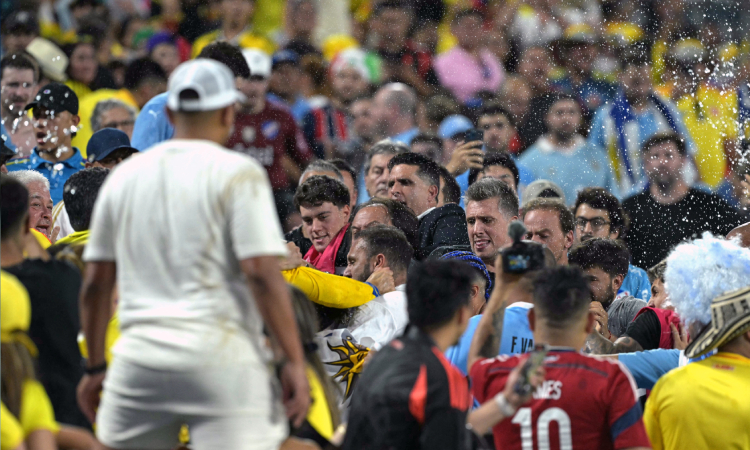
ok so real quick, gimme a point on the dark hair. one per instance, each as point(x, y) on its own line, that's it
point(384, 147)
point(657, 272)
point(663, 138)
point(22, 22)
point(429, 170)
point(319, 189)
point(440, 106)
point(612, 256)
point(468, 12)
point(561, 295)
point(497, 159)
point(18, 60)
point(435, 290)
point(600, 198)
point(390, 242)
point(401, 217)
point(429, 138)
point(451, 189)
point(229, 55)
point(344, 166)
point(567, 221)
point(487, 188)
point(494, 108)
point(141, 70)
point(79, 195)
point(14, 198)
point(558, 97)
point(637, 55)
point(388, 4)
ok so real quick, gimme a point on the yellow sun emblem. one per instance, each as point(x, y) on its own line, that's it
point(350, 365)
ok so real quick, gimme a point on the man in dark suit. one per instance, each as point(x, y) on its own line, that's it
point(414, 180)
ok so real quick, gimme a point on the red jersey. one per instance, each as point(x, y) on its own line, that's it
point(267, 137)
point(584, 403)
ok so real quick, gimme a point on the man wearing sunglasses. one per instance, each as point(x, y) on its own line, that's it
point(55, 111)
point(598, 214)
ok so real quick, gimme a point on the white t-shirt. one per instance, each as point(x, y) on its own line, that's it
point(177, 220)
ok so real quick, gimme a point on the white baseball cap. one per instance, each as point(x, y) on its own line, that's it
point(211, 80)
point(259, 62)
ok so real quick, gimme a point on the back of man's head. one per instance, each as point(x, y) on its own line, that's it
point(487, 188)
point(14, 199)
point(400, 215)
point(80, 193)
point(451, 189)
point(436, 290)
point(384, 147)
point(428, 170)
point(389, 242)
point(402, 98)
point(609, 255)
point(319, 189)
point(141, 71)
point(229, 55)
point(561, 296)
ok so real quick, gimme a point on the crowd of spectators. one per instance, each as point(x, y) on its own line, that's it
point(397, 141)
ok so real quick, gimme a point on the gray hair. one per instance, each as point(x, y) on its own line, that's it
point(26, 177)
point(384, 147)
point(108, 105)
point(402, 97)
point(487, 188)
point(320, 165)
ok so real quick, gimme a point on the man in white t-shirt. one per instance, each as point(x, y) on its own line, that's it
point(189, 233)
point(345, 344)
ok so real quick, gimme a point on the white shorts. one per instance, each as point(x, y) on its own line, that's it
point(225, 407)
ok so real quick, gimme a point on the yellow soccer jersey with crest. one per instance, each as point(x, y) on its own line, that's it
point(704, 405)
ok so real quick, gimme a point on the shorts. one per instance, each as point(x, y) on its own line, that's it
point(235, 407)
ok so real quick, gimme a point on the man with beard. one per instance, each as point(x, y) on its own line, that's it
point(18, 75)
point(40, 203)
point(598, 214)
point(670, 211)
point(605, 264)
point(562, 155)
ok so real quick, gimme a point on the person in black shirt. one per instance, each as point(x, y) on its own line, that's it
point(409, 396)
point(669, 211)
point(53, 287)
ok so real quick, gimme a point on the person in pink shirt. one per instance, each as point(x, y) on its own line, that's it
point(469, 68)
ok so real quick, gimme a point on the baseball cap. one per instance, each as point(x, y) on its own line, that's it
point(259, 62)
point(105, 141)
point(453, 125)
point(21, 22)
point(56, 97)
point(284, 57)
point(542, 189)
point(211, 80)
point(52, 61)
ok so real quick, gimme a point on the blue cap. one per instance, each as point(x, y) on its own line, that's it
point(283, 57)
point(475, 262)
point(105, 141)
point(453, 125)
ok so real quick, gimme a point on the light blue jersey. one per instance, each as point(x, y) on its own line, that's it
point(152, 125)
point(635, 284)
point(517, 336)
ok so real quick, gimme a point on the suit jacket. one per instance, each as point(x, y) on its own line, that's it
point(442, 226)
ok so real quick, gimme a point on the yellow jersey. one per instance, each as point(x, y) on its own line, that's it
point(704, 405)
point(246, 39)
point(711, 119)
point(11, 432)
point(36, 414)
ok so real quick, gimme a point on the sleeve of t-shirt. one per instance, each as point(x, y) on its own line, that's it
point(624, 312)
point(101, 243)
point(152, 125)
point(648, 366)
point(11, 433)
point(36, 409)
point(253, 221)
point(479, 376)
point(625, 414)
point(645, 329)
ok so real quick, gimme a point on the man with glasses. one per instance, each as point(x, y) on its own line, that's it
point(113, 113)
point(55, 111)
point(18, 75)
point(598, 214)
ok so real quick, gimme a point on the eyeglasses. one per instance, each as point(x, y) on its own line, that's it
point(596, 223)
point(119, 125)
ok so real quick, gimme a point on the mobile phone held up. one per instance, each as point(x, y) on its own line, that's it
point(535, 360)
point(474, 135)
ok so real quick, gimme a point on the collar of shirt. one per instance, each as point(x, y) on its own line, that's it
point(546, 146)
point(401, 287)
point(74, 162)
point(427, 211)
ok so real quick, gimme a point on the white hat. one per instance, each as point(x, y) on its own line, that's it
point(259, 62)
point(211, 80)
point(542, 189)
point(52, 61)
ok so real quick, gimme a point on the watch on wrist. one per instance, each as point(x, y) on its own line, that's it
point(505, 407)
point(94, 370)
